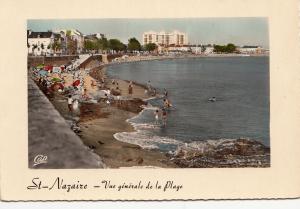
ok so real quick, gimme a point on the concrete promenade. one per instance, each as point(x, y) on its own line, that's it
point(49, 135)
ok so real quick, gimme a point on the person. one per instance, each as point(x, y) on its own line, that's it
point(212, 99)
point(165, 92)
point(85, 94)
point(149, 85)
point(70, 103)
point(156, 114)
point(117, 86)
point(164, 116)
point(75, 105)
point(113, 82)
point(154, 92)
point(130, 89)
point(166, 103)
point(40, 80)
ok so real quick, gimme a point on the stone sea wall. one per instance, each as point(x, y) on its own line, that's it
point(49, 135)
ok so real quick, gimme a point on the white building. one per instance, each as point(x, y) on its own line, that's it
point(39, 43)
point(250, 50)
point(176, 38)
point(209, 50)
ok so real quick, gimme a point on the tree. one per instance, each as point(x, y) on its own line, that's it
point(229, 48)
point(116, 45)
point(34, 46)
point(42, 47)
point(150, 47)
point(203, 48)
point(90, 45)
point(56, 46)
point(102, 44)
point(28, 46)
point(134, 45)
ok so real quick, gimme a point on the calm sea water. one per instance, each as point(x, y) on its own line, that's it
point(240, 84)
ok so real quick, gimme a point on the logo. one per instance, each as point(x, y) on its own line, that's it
point(40, 159)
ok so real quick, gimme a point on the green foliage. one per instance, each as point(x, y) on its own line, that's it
point(116, 45)
point(89, 45)
point(102, 44)
point(134, 45)
point(229, 48)
point(68, 33)
point(150, 47)
point(71, 45)
point(56, 45)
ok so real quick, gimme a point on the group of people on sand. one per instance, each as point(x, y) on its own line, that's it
point(162, 111)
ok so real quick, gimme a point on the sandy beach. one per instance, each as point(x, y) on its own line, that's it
point(99, 122)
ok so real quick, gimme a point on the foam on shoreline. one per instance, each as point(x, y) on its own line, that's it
point(257, 154)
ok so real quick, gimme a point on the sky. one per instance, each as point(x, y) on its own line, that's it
point(240, 31)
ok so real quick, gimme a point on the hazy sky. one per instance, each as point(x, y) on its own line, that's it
point(240, 31)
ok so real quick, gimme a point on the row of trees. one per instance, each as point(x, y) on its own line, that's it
point(96, 44)
point(229, 48)
point(116, 45)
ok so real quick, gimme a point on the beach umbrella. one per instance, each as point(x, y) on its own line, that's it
point(40, 66)
point(76, 83)
point(56, 79)
point(57, 86)
point(43, 73)
point(48, 67)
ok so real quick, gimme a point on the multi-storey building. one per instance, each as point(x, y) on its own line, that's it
point(72, 35)
point(176, 38)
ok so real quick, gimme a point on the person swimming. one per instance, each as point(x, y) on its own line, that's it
point(167, 103)
point(212, 99)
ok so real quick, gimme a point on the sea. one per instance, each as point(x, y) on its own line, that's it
point(241, 110)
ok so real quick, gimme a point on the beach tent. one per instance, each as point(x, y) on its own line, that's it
point(76, 83)
point(43, 73)
point(56, 70)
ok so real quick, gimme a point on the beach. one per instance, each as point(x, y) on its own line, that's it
point(100, 123)
point(97, 128)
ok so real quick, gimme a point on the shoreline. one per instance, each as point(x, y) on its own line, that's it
point(110, 120)
point(261, 156)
